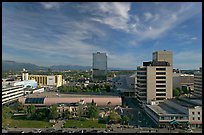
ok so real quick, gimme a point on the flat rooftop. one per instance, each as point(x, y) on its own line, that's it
point(197, 101)
point(162, 109)
point(55, 94)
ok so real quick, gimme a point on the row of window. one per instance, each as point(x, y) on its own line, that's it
point(160, 77)
point(142, 73)
point(160, 73)
point(160, 94)
point(160, 90)
point(160, 68)
point(141, 77)
point(160, 81)
point(160, 86)
point(194, 113)
point(194, 118)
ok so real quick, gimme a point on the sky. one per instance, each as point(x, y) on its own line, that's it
point(67, 33)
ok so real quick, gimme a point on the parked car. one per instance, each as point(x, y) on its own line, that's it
point(36, 131)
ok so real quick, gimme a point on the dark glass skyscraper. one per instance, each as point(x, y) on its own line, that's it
point(99, 66)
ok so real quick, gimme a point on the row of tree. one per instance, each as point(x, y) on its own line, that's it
point(94, 88)
point(41, 113)
point(178, 91)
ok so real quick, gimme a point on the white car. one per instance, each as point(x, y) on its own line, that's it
point(190, 130)
point(36, 131)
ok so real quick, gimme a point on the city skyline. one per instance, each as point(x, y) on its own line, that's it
point(68, 33)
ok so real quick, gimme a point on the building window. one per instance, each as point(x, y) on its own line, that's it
point(160, 73)
point(160, 85)
point(161, 118)
point(193, 118)
point(198, 118)
point(160, 81)
point(160, 98)
point(160, 94)
point(193, 113)
point(160, 90)
point(160, 68)
point(161, 77)
point(198, 113)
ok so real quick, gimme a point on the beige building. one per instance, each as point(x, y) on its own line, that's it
point(73, 108)
point(154, 78)
point(198, 83)
point(154, 83)
point(163, 56)
point(180, 80)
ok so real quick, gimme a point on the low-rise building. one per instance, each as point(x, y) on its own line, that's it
point(182, 110)
point(27, 84)
point(11, 94)
point(50, 98)
point(183, 80)
point(125, 84)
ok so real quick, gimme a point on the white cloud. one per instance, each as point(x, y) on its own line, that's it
point(50, 5)
point(194, 38)
point(187, 59)
point(148, 16)
point(114, 14)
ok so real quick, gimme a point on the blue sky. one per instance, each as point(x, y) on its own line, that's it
point(46, 34)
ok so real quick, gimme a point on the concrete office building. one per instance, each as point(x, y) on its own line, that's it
point(154, 79)
point(198, 83)
point(183, 80)
point(99, 66)
point(11, 94)
point(163, 56)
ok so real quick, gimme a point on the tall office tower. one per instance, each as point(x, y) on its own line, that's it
point(198, 83)
point(163, 56)
point(99, 66)
point(154, 81)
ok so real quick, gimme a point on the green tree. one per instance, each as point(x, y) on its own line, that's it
point(21, 107)
point(67, 114)
point(93, 110)
point(114, 117)
point(185, 90)
point(53, 114)
point(41, 114)
point(176, 92)
point(124, 119)
point(6, 113)
point(107, 87)
point(31, 111)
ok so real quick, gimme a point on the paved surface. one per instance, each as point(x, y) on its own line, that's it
point(139, 117)
point(115, 130)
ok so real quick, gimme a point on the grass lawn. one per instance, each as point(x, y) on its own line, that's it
point(22, 123)
point(84, 124)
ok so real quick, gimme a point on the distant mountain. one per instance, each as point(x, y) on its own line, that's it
point(8, 65)
point(70, 67)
